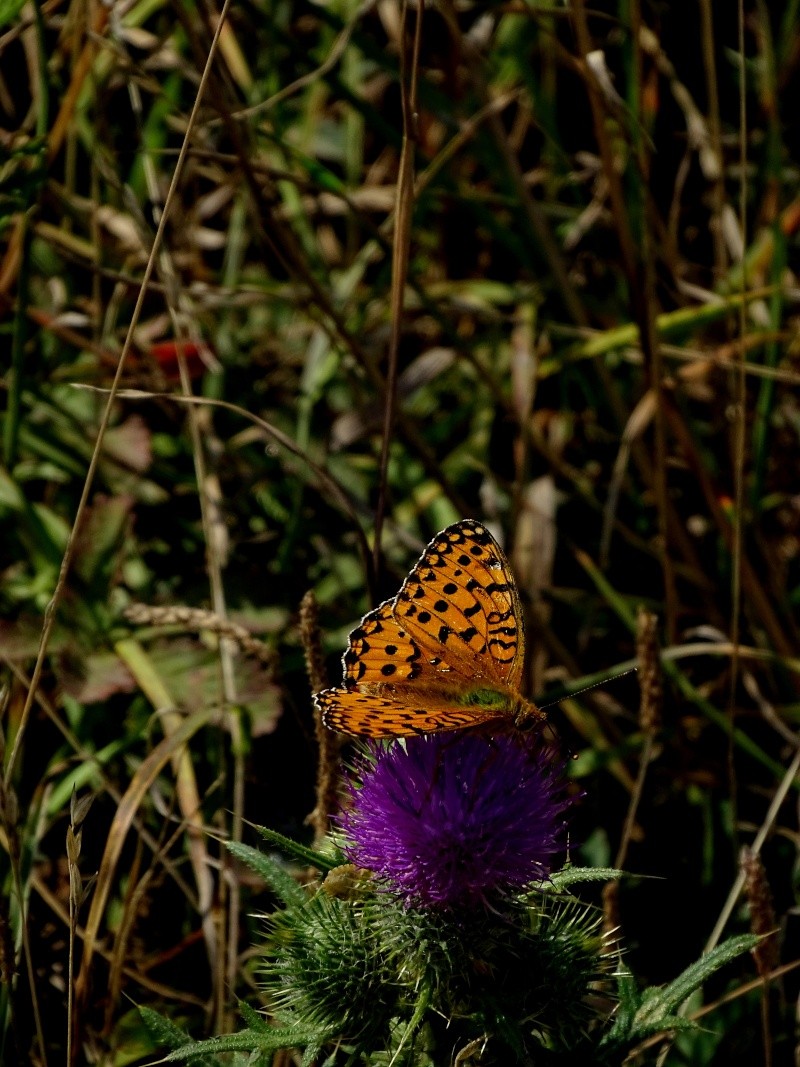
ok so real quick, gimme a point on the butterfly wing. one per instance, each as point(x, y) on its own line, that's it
point(461, 608)
point(457, 620)
point(366, 714)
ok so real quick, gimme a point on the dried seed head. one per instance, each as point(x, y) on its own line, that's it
point(650, 687)
point(312, 642)
point(762, 914)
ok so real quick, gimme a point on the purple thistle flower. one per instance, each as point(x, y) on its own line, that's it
point(448, 820)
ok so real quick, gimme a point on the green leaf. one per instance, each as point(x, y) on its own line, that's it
point(254, 1019)
point(101, 540)
point(661, 1003)
point(311, 1054)
point(301, 852)
point(278, 879)
point(249, 1041)
point(573, 875)
point(163, 1030)
point(669, 1023)
point(629, 1000)
point(420, 1009)
point(9, 9)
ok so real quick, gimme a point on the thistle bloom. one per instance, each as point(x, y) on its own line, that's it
point(456, 820)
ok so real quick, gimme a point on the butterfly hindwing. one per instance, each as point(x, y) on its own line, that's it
point(365, 714)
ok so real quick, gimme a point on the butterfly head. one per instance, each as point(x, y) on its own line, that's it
point(527, 716)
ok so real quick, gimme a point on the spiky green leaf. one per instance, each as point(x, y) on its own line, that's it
point(163, 1030)
point(277, 878)
point(254, 1019)
point(574, 875)
point(662, 1002)
point(249, 1041)
point(300, 852)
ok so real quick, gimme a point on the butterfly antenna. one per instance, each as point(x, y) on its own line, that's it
point(586, 688)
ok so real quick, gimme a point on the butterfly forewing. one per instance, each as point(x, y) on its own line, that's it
point(381, 650)
point(460, 603)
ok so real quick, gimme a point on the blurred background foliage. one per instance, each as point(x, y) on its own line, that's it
point(597, 358)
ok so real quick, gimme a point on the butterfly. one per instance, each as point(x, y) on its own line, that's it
point(447, 652)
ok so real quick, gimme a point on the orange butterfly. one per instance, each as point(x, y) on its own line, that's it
point(446, 652)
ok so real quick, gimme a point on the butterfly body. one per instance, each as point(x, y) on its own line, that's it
point(509, 703)
point(447, 652)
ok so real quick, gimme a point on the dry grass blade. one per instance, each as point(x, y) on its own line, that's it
point(77, 894)
point(789, 780)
